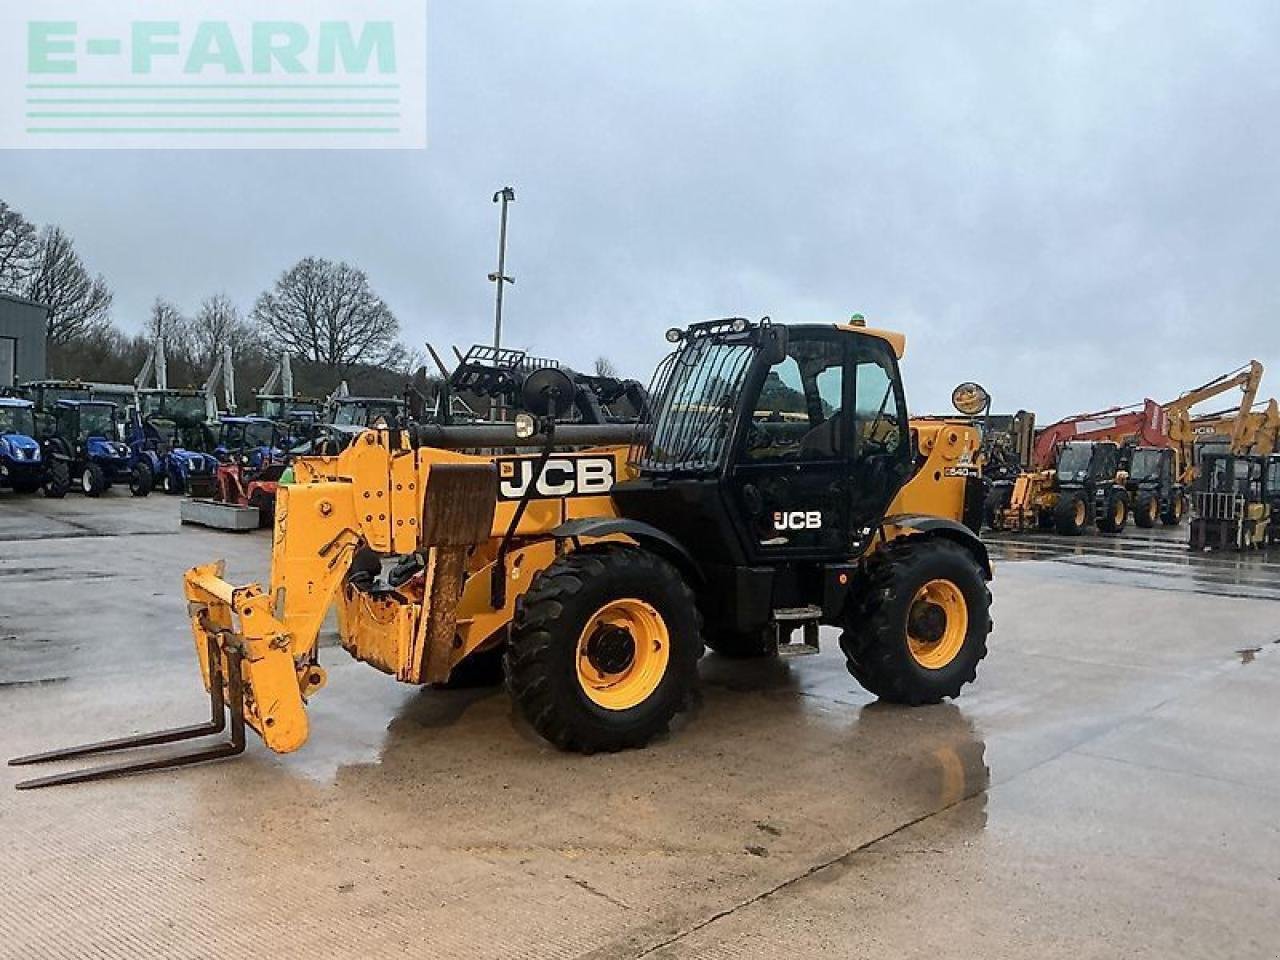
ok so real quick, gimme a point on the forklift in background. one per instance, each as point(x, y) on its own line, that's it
point(1232, 503)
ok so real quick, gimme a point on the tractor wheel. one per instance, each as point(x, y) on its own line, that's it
point(1115, 512)
point(172, 484)
point(1148, 511)
point(1071, 515)
point(1173, 514)
point(141, 479)
point(604, 649)
point(918, 625)
point(57, 480)
point(734, 645)
point(266, 508)
point(92, 480)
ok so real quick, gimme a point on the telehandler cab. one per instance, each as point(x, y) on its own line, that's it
point(1156, 493)
point(1084, 487)
point(778, 482)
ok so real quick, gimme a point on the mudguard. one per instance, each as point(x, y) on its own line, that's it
point(948, 529)
point(660, 542)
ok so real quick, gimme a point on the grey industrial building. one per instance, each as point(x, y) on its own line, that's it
point(23, 355)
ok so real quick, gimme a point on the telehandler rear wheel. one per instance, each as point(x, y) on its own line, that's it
point(1148, 511)
point(1071, 514)
point(604, 649)
point(1115, 512)
point(1173, 514)
point(918, 626)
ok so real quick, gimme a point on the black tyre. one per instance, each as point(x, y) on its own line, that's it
point(604, 649)
point(1175, 511)
point(57, 480)
point(1071, 514)
point(141, 479)
point(92, 480)
point(266, 505)
point(742, 646)
point(172, 484)
point(1147, 511)
point(1115, 512)
point(918, 625)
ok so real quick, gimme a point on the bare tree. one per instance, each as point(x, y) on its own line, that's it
point(327, 313)
point(605, 367)
point(167, 323)
point(78, 303)
point(217, 324)
point(18, 248)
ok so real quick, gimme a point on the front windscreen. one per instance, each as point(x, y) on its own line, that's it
point(17, 420)
point(1145, 465)
point(96, 420)
point(695, 397)
point(1073, 461)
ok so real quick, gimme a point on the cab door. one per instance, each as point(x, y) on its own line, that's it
point(822, 449)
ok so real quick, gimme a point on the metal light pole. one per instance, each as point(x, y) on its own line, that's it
point(505, 196)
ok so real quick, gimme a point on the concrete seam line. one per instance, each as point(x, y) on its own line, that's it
point(804, 875)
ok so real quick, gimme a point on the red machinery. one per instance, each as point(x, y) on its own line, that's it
point(1148, 425)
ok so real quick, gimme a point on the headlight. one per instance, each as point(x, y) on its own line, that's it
point(740, 325)
point(526, 426)
point(675, 335)
point(245, 461)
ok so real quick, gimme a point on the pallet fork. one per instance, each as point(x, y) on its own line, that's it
point(217, 723)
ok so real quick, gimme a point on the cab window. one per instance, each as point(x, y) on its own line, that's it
point(797, 414)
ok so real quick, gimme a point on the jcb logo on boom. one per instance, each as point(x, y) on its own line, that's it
point(798, 520)
point(563, 476)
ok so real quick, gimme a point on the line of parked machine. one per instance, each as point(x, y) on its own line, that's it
point(1152, 463)
point(60, 435)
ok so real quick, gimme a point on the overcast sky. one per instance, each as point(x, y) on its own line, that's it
point(1073, 203)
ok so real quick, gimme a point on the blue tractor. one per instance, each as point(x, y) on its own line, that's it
point(21, 463)
point(79, 442)
point(170, 440)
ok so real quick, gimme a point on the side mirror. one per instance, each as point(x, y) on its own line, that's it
point(774, 344)
point(971, 399)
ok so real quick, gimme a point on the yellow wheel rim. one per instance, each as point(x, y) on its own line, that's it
point(937, 624)
point(623, 653)
point(1080, 514)
point(1117, 512)
point(1153, 510)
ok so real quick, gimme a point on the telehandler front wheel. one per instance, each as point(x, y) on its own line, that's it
point(604, 649)
point(1071, 514)
point(1148, 511)
point(1173, 514)
point(918, 626)
point(1115, 512)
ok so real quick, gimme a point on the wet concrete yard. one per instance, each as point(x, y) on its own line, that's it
point(1109, 788)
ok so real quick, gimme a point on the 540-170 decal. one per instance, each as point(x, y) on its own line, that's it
point(565, 475)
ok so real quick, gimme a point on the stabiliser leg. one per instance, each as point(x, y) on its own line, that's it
point(217, 724)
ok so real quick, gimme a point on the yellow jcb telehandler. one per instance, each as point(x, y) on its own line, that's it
point(777, 484)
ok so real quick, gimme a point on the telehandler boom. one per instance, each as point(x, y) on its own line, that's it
point(778, 485)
